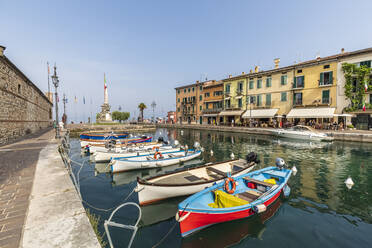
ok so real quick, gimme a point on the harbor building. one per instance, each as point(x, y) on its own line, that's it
point(213, 102)
point(234, 99)
point(24, 108)
point(189, 103)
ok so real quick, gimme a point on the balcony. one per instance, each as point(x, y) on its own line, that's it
point(239, 92)
point(212, 110)
point(297, 103)
point(322, 84)
point(233, 107)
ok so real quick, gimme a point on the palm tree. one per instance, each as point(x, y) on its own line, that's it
point(141, 107)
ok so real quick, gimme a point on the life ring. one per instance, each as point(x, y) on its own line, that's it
point(227, 182)
point(156, 148)
point(156, 155)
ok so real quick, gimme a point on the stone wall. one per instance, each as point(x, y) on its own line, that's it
point(24, 108)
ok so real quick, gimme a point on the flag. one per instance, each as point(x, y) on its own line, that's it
point(84, 99)
point(365, 86)
point(104, 78)
point(364, 107)
point(75, 99)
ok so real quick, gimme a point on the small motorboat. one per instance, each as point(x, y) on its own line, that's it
point(303, 132)
point(235, 198)
point(114, 143)
point(157, 160)
point(103, 136)
point(190, 180)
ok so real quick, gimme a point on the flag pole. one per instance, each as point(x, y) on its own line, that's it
point(48, 79)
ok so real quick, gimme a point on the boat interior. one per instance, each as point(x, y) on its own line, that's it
point(203, 174)
point(164, 155)
point(248, 190)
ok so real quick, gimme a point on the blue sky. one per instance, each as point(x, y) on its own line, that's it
point(147, 48)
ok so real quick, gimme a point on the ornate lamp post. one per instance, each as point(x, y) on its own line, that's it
point(55, 83)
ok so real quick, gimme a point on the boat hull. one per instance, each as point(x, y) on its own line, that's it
point(148, 194)
point(302, 136)
point(103, 136)
point(194, 221)
point(84, 143)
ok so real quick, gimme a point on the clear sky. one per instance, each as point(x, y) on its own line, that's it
point(147, 48)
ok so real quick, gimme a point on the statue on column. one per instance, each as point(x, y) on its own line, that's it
point(105, 115)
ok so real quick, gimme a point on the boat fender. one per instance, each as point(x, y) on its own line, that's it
point(180, 219)
point(227, 185)
point(286, 191)
point(259, 208)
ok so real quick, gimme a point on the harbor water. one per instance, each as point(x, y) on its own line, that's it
point(320, 212)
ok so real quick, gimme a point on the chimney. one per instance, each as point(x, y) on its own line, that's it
point(256, 69)
point(2, 48)
point(243, 73)
point(276, 61)
point(230, 76)
point(342, 50)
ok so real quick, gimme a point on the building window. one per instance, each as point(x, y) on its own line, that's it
point(283, 97)
point(201, 107)
point(178, 100)
point(228, 88)
point(178, 91)
point(268, 82)
point(251, 84)
point(240, 103)
point(259, 100)
point(299, 82)
point(268, 99)
point(178, 109)
point(259, 83)
point(326, 67)
point(366, 63)
point(325, 96)
point(240, 87)
point(206, 94)
point(217, 93)
point(326, 78)
point(252, 99)
point(299, 71)
point(188, 89)
point(193, 108)
point(201, 87)
point(19, 89)
point(370, 98)
point(297, 98)
point(283, 80)
point(184, 90)
point(200, 97)
point(227, 103)
point(193, 89)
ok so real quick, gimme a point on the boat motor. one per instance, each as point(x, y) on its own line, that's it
point(160, 139)
point(196, 145)
point(176, 143)
point(252, 157)
point(280, 163)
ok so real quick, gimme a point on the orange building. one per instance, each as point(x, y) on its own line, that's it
point(213, 101)
point(189, 103)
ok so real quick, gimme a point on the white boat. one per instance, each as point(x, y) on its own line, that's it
point(144, 161)
point(190, 181)
point(303, 132)
point(92, 149)
point(106, 156)
point(115, 143)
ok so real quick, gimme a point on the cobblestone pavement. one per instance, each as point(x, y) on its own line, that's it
point(17, 168)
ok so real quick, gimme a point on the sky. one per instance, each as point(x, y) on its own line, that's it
point(147, 48)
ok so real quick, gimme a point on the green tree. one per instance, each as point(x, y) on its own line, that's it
point(120, 116)
point(125, 116)
point(116, 115)
point(141, 107)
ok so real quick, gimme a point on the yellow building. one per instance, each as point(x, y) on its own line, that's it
point(234, 99)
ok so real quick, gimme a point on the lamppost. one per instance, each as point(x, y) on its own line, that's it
point(55, 83)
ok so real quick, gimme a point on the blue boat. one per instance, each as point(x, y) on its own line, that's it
point(235, 198)
point(103, 136)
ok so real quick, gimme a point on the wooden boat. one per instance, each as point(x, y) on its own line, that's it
point(144, 161)
point(106, 156)
point(304, 133)
point(189, 181)
point(254, 192)
point(103, 136)
point(114, 143)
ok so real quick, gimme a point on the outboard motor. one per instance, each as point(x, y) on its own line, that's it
point(160, 139)
point(280, 163)
point(166, 142)
point(252, 157)
point(176, 143)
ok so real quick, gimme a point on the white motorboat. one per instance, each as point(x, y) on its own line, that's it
point(303, 132)
point(190, 181)
point(158, 160)
point(120, 148)
point(106, 156)
point(115, 143)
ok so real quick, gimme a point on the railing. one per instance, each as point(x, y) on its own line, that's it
point(325, 83)
point(325, 100)
point(297, 102)
point(213, 110)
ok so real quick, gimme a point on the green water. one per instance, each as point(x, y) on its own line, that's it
point(321, 211)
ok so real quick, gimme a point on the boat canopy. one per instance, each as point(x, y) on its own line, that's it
point(260, 113)
point(231, 112)
point(311, 113)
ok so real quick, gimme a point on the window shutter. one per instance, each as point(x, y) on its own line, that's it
point(294, 82)
point(321, 81)
point(331, 77)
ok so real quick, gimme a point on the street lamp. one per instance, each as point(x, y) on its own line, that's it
point(55, 83)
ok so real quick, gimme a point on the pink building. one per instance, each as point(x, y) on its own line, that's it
point(171, 117)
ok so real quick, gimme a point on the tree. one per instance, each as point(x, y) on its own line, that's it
point(120, 116)
point(141, 107)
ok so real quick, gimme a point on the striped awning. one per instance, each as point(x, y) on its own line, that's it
point(260, 113)
point(311, 113)
point(231, 113)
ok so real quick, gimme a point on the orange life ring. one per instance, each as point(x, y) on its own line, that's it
point(156, 155)
point(227, 182)
point(155, 148)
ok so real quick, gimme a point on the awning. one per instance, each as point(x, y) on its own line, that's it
point(227, 98)
point(238, 97)
point(209, 115)
point(216, 100)
point(231, 113)
point(311, 113)
point(260, 113)
point(344, 115)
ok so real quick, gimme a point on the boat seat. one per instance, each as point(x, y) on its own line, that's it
point(258, 182)
point(249, 195)
point(211, 169)
point(194, 178)
point(214, 176)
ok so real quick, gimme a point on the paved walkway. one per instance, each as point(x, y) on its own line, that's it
point(17, 168)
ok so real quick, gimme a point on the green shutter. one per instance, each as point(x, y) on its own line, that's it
point(294, 82)
point(321, 81)
point(331, 77)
